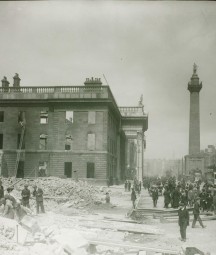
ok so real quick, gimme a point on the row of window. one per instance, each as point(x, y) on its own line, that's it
point(44, 117)
point(44, 138)
point(68, 171)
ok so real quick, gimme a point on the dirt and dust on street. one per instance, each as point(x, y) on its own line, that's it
point(79, 221)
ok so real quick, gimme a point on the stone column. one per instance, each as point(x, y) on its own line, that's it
point(194, 128)
point(118, 157)
point(139, 156)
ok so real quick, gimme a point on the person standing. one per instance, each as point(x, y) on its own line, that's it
point(167, 197)
point(196, 213)
point(107, 198)
point(8, 208)
point(183, 221)
point(155, 196)
point(176, 198)
point(25, 196)
point(1, 190)
point(214, 202)
point(126, 185)
point(129, 186)
point(190, 197)
point(133, 197)
point(38, 194)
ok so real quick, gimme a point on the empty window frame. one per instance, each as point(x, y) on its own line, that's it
point(1, 141)
point(68, 142)
point(20, 144)
point(1, 116)
point(42, 168)
point(43, 142)
point(69, 116)
point(44, 117)
point(90, 170)
point(91, 141)
point(91, 117)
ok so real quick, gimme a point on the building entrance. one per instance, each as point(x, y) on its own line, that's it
point(68, 169)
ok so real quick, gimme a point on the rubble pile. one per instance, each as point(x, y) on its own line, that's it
point(57, 190)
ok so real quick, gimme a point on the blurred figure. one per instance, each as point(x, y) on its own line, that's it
point(8, 208)
point(129, 186)
point(107, 198)
point(183, 221)
point(155, 196)
point(133, 197)
point(214, 202)
point(25, 196)
point(38, 194)
point(196, 213)
point(167, 197)
point(126, 185)
point(1, 190)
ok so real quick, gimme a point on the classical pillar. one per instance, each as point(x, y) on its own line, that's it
point(118, 158)
point(139, 156)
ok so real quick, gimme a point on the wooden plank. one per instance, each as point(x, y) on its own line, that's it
point(142, 229)
point(130, 245)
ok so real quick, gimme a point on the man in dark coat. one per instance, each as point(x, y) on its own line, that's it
point(25, 196)
point(167, 198)
point(183, 221)
point(196, 213)
point(155, 196)
point(38, 194)
point(1, 190)
point(176, 198)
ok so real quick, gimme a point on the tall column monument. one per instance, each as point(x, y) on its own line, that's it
point(194, 161)
point(194, 128)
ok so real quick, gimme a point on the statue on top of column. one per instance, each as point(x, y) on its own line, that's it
point(141, 100)
point(195, 68)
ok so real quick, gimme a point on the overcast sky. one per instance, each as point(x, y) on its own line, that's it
point(142, 48)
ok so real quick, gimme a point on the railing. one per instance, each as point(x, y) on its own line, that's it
point(61, 89)
point(132, 111)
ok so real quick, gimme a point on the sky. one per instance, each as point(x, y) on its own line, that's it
point(141, 47)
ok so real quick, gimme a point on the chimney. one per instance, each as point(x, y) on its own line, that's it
point(5, 82)
point(93, 82)
point(16, 80)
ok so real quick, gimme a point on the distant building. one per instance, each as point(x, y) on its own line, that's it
point(71, 131)
point(160, 167)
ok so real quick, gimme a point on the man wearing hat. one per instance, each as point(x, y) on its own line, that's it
point(38, 194)
point(196, 213)
point(183, 220)
point(25, 196)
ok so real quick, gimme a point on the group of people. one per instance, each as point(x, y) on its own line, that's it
point(187, 194)
point(14, 207)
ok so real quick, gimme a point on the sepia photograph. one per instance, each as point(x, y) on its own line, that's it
point(107, 127)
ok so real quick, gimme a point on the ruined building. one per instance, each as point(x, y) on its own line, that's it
point(72, 131)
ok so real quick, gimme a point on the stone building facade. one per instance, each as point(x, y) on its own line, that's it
point(71, 131)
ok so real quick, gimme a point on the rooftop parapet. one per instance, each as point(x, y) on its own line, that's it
point(133, 111)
